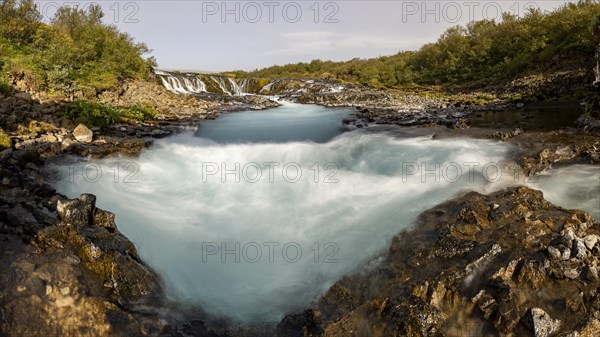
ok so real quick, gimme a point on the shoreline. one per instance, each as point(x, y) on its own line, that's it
point(80, 239)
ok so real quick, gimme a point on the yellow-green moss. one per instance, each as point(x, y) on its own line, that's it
point(5, 141)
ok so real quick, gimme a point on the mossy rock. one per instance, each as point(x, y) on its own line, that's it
point(5, 141)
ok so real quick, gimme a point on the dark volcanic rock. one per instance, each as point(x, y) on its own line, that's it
point(66, 269)
point(506, 264)
point(470, 269)
point(538, 151)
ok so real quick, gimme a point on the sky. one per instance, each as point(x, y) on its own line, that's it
point(212, 36)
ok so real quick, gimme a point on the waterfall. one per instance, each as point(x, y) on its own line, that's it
point(221, 83)
point(181, 83)
point(244, 85)
point(267, 88)
point(597, 68)
point(236, 88)
point(192, 83)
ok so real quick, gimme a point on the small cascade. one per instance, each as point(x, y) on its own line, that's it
point(244, 84)
point(181, 83)
point(221, 83)
point(236, 88)
point(193, 83)
point(597, 68)
point(267, 87)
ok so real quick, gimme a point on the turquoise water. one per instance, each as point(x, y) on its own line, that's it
point(289, 122)
point(258, 213)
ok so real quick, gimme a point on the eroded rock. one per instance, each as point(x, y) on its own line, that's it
point(543, 325)
point(470, 268)
point(83, 134)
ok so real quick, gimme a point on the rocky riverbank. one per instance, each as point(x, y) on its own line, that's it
point(508, 263)
point(66, 269)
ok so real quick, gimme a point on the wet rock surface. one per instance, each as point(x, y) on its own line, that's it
point(471, 268)
point(539, 151)
point(505, 264)
point(243, 103)
point(397, 108)
point(66, 269)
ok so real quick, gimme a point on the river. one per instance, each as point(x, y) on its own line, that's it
point(257, 213)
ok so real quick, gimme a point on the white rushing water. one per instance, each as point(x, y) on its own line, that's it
point(221, 83)
point(192, 84)
point(182, 84)
point(575, 187)
point(256, 241)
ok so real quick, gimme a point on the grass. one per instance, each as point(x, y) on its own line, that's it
point(102, 115)
point(5, 88)
point(5, 141)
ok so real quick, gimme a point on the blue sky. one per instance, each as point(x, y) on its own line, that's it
point(227, 35)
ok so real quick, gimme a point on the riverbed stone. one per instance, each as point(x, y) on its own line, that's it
point(590, 241)
point(543, 324)
point(83, 134)
point(527, 262)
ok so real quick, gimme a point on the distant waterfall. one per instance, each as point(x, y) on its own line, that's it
point(237, 89)
point(181, 83)
point(597, 67)
point(244, 85)
point(192, 83)
point(221, 83)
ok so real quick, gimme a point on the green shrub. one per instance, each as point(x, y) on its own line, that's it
point(5, 88)
point(90, 113)
point(137, 113)
point(5, 141)
point(75, 51)
point(592, 108)
point(101, 115)
point(481, 52)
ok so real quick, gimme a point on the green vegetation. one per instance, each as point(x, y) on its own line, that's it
point(95, 114)
point(5, 88)
point(76, 52)
point(482, 52)
point(137, 113)
point(5, 141)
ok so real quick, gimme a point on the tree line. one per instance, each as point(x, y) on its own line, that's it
point(485, 50)
point(75, 51)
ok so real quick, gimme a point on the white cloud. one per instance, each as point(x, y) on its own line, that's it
point(306, 43)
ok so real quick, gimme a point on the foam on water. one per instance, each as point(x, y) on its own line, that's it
point(575, 187)
point(177, 213)
point(174, 209)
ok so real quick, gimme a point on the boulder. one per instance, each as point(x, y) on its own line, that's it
point(77, 212)
point(83, 134)
point(543, 325)
point(23, 96)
